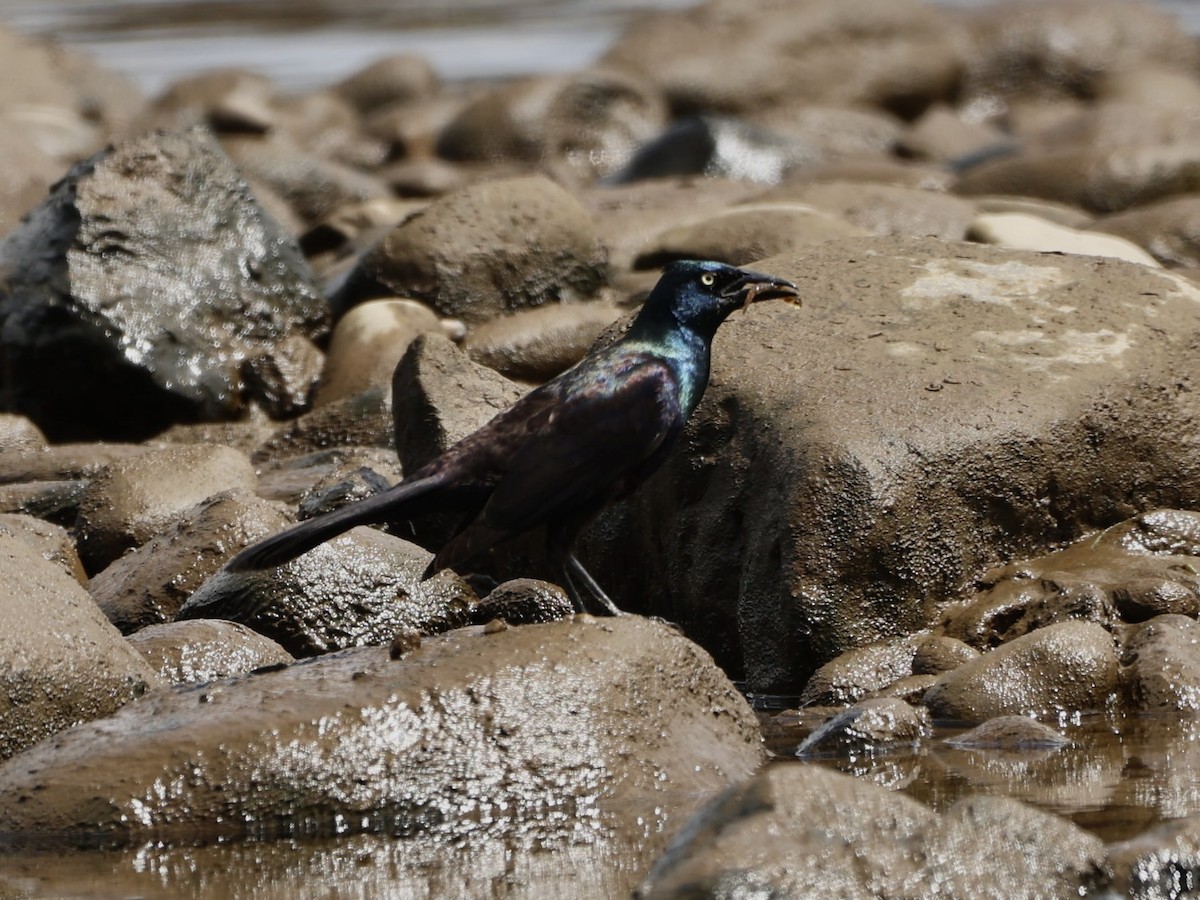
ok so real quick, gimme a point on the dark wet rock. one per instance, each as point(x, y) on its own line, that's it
point(1060, 669)
point(311, 185)
point(368, 342)
point(796, 830)
point(1160, 863)
point(54, 501)
point(855, 673)
point(52, 541)
point(491, 247)
point(245, 436)
point(359, 420)
point(1069, 47)
point(941, 135)
point(19, 433)
point(1168, 229)
point(60, 662)
point(534, 345)
point(362, 475)
point(204, 650)
point(740, 57)
point(1020, 231)
point(405, 642)
point(868, 727)
point(293, 478)
point(584, 124)
point(801, 830)
point(106, 272)
point(1099, 179)
point(128, 504)
point(441, 396)
point(857, 462)
point(1136, 569)
point(742, 234)
point(884, 208)
point(911, 689)
point(716, 147)
point(355, 590)
point(63, 462)
point(936, 654)
point(490, 743)
point(148, 585)
point(1009, 733)
point(523, 601)
point(1160, 666)
point(399, 78)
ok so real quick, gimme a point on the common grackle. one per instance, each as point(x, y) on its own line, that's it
point(568, 448)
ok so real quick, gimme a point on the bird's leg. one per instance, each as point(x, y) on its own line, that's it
point(573, 567)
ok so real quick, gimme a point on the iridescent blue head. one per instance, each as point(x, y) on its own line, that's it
point(700, 295)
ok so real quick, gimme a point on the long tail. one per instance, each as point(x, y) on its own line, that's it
point(287, 545)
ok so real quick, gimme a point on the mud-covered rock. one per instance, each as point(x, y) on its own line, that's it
point(734, 58)
point(489, 248)
point(148, 585)
point(441, 396)
point(869, 727)
point(140, 276)
point(355, 590)
point(521, 736)
point(1160, 665)
point(803, 831)
point(743, 234)
point(855, 673)
point(1013, 733)
point(534, 345)
point(204, 650)
point(935, 654)
point(61, 663)
point(1060, 669)
point(52, 541)
point(128, 504)
point(368, 342)
point(523, 601)
point(858, 461)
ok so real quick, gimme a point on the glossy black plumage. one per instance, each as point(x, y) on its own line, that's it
point(567, 449)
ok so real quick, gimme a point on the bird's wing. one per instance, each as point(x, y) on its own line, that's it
point(590, 447)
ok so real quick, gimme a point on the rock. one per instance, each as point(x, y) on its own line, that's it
point(228, 100)
point(205, 650)
point(491, 247)
point(360, 420)
point(1058, 213)
point(801, 830)
point(934, 655)
point(24, 179)
point(534, 345)
point(292, 479)
point(441, 397)
point(734, 58)
point(832, 134)
point(1160, 666)
point(379, 589)
point(104, 276)
point(64, 462)
point(1009, 733)
point(61, 663)
point(362, 475)
point(519, 739)
point(1136, 569)
point(245, 436)
point(742, 234)
point(523, 601)
point(399, 78)
point(127, 505)
point(368, 342)
point(856, 462)
point(869, 727)
point(942, 135)
point(148, 585)
point(1161, 862)
point(583, 124)
point(911, 689)
point(1023, 232)
point(855, 673)
point(55, 501)
point(1058, 670)
point(884, 208)
point(51, 541)
point(19, 433)
point(1168, 229)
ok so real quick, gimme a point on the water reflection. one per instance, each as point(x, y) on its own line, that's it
point(1117, 777)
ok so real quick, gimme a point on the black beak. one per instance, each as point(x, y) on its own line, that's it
point(754, 286)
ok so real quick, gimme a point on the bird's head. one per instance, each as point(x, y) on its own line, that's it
point(700, 295)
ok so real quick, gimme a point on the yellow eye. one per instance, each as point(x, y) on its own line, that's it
point(708, 279)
